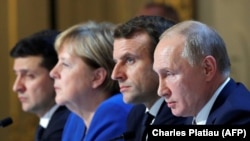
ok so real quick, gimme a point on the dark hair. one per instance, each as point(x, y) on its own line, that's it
point(38, 44)
point(154, 26)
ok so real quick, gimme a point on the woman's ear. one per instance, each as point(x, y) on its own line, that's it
point(99, 77)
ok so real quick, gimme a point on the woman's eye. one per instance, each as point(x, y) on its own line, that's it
point(65, 64)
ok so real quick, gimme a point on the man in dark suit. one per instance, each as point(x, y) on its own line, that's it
point(193, 66)
point(34, 57)
point(134, 45)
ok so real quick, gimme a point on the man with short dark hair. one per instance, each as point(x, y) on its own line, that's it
point(134, 46)
point(34, 57)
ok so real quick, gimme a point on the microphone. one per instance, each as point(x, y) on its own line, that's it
point(6, 121)
point(125, 136)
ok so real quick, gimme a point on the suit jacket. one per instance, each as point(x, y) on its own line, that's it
point(108, 122)
point(232, 106)
point(55, 127)
point(164, 117)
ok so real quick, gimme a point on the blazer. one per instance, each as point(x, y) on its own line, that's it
point(232, 106)
point(164, 117)
point(108, 122)
point(56, 124)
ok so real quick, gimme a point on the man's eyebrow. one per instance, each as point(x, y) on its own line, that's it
point(128, 54)
point(124, 56)
point(22, 70)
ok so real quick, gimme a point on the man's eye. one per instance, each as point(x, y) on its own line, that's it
point(30, 76)
point(130, 61)
point(168, 73)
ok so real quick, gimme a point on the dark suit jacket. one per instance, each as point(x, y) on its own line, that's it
point(232, 106)
point(55, 127)
point(164, 117)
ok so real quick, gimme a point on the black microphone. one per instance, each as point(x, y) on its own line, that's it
point(125, 136)
point(6, 121)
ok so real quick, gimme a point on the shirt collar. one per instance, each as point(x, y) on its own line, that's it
point(156, 107)
point(44, 121)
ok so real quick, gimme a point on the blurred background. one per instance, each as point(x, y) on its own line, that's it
point(20, 18)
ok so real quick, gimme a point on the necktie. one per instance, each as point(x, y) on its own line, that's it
point(39, 133)
point(146, 122)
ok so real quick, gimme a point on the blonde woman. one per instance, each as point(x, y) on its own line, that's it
point(83, 83)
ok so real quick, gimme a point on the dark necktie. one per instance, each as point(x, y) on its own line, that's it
point(39, 133)
point(147, 120)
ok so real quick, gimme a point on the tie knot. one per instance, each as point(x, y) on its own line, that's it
point(148, 118)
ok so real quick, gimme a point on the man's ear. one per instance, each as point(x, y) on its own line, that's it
point(99, 77)
point(210, 66)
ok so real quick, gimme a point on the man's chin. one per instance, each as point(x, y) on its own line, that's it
point(25, 109)
point(127, 100)
point(131, 101)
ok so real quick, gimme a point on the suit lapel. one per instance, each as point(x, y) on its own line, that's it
point(229, 88)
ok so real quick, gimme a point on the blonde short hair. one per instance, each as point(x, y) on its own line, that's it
point(93, 42)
